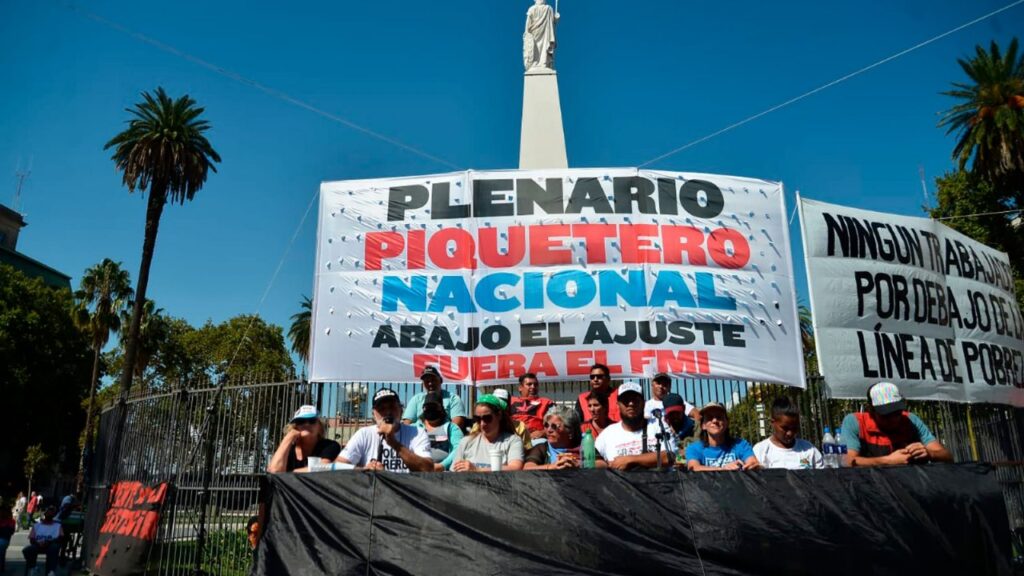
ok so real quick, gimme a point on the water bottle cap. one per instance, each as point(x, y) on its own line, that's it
point(828, 430)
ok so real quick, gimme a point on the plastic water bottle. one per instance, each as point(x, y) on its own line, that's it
point(587, 448)
point(828, 448)
point(840, 450)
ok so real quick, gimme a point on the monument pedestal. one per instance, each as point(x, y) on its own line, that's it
point(542, 140)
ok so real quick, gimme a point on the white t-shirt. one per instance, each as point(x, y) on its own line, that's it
point(802, 456)
point(477, 449)
point(654, 403)
point(616, 441)
point(365, 445)
point(46, 532)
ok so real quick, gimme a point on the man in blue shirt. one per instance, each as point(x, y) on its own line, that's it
point(887, 434)
point(432, 380)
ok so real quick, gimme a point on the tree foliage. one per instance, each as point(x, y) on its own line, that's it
point(989, 117)
point(165, 149)
point(298, 332)
point(241, 347)
point(35, 460)
point(961, 194)
point(45, 363)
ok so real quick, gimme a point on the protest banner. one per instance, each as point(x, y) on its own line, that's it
point(130, 525)
point(489, 274)
point(911, 301)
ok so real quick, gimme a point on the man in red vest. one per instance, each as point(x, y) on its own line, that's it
point(888, 435)
point(528, 407)
point(600, 382)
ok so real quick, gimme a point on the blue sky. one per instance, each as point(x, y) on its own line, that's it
point(636, 79)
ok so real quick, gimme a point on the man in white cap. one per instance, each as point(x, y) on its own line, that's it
point(888, 435)
point(632, 442)
point(389, 444)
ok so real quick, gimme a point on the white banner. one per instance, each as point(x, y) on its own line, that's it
point(911, 301)
point(489, 274)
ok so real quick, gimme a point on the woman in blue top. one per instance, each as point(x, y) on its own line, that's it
point(717, 449)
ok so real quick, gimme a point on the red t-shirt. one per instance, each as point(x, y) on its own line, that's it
point(613, 406)
point(530, 411)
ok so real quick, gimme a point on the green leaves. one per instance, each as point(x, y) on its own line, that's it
point(164, 147)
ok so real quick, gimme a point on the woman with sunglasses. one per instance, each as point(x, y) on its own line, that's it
point(303, 439)
point(562, 449)
point(717, 449)
point(496, 433)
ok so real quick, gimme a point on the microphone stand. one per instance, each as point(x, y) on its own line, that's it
point(661, 436)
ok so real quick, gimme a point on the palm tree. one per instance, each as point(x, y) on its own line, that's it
point(104, 294)
point(989, 119)
point(165, 150)
point(298, 332)
point(807, 338)
point(153, 332)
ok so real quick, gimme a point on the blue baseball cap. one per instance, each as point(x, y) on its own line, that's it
point(306, 412)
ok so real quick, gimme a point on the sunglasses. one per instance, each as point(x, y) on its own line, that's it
point(486, 418)
point(553, 426)
point(304, 421)
point(598, 376)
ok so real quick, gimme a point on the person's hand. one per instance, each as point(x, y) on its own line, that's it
point(751, 465)
point(917, 451)
point(621, 463)
point(389, 431)
point(734, 465)
point(898, 458)
point(463, 466)
point(374, 465)
point(566, 460)
point(291, 437)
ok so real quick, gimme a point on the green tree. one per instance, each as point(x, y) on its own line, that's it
point(103, 295)
point(989, 119)
point(240, 347)
point(298, 332)
point(35, 459)
point(164, 149)
point(45, 362)
point(807, 339)
point(963, 199)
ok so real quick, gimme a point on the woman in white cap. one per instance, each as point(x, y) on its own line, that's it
point(303, 439)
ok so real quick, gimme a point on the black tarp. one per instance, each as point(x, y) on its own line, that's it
point(936, 519)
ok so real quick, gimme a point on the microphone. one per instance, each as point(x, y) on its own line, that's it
point(380, 448)
point(661, 436)
point(656, 413)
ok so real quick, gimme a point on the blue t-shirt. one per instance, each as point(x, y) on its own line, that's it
point(717, 456)
point(851, 431)
point(452, 405)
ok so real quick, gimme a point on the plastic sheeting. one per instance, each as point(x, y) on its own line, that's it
point(937, 519)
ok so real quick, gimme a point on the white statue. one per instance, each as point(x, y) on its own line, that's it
point(539, 37)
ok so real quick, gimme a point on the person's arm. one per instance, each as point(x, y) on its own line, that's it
point(515, 455)
point(279, 461)
point(415, 457)
point(647, 460)
point(354, 449)
point(897, 458)
point(412, 409)
point(32, 536)
point(937, 452)
point(929, 447)
point(457, 412)
point(454, 438)
point(535, 458)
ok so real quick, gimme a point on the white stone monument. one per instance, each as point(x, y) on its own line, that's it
point(542, 140)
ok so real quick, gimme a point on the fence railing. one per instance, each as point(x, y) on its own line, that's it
point(212, 443)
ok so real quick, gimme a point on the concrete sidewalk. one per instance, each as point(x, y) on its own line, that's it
point(16, 562)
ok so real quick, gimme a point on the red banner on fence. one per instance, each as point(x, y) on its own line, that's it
point(129, 527)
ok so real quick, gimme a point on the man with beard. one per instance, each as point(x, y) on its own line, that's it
point(632, 442)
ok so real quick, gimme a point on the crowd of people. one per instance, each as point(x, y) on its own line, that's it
point(45, 524)
point(434, 432)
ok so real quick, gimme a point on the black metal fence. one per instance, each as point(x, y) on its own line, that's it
point(212, 443)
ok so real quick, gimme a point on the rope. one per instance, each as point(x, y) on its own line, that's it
point(273, 92)
point(832, 83)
